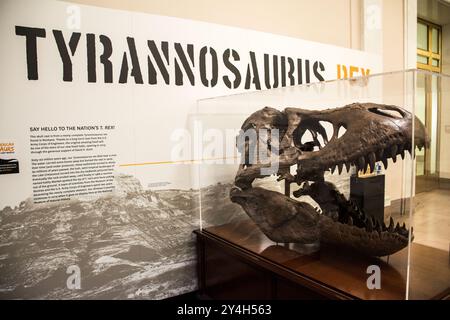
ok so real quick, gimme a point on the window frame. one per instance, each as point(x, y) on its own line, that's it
point(429, 53)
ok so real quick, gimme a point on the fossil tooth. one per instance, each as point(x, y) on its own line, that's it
point(380, 154)
point(379, 227)
point(408, 148)
point(372, 160)
point(361, 163)
point(394, 149)
point(350, 221)
point(404, 226)
point(369, 226)
point(347, 166)
point(385, 163)
point(397, 227)
point(391, 225)
point(340, 165)
point(401, 150)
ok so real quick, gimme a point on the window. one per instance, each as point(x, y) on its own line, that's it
point(428, 46)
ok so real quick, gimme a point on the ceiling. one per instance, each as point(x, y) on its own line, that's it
point(436, 11)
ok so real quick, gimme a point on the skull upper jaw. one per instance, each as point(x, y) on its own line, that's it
point(371, 135)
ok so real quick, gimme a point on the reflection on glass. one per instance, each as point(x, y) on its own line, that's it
point(422, 59)
point(434, 125)
point(420, 113)
point(435, 40)
point(422, 36)
point(435, 62)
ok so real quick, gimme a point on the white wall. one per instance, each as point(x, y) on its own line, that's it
point(339, 23)
point(328, 21)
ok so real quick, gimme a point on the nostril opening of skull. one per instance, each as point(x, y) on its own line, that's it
point(387, 113)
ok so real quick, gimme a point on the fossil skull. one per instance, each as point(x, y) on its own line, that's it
point(373, 132)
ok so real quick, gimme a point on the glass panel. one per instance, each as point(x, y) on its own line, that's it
point(388, 188)
point(421, 115)
point(422, 36)
point(435, 40)
point(433, 124)
point(435, 62)
point(247, 221)
point(431, 211)
point(422, 59)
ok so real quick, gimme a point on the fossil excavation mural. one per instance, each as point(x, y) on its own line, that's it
point(374, 132)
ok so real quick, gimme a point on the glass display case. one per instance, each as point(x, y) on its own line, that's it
point(342, 187)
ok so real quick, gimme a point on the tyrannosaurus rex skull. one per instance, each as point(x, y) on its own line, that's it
point(373, 132)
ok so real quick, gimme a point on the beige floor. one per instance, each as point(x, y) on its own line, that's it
point(431, 219)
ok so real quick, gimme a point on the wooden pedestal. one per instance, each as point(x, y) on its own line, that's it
point(237, 261)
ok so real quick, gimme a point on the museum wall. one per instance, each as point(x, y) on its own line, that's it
point(393, 31)
point(296, 18)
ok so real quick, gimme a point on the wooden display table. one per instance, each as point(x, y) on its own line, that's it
point(237, 261)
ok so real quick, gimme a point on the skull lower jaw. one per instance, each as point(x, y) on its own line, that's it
point(352, 238)
point(337, 222)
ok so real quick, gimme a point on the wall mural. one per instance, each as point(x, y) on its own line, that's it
point(94, 201)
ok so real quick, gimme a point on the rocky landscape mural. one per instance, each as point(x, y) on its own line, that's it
point(131, 244)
